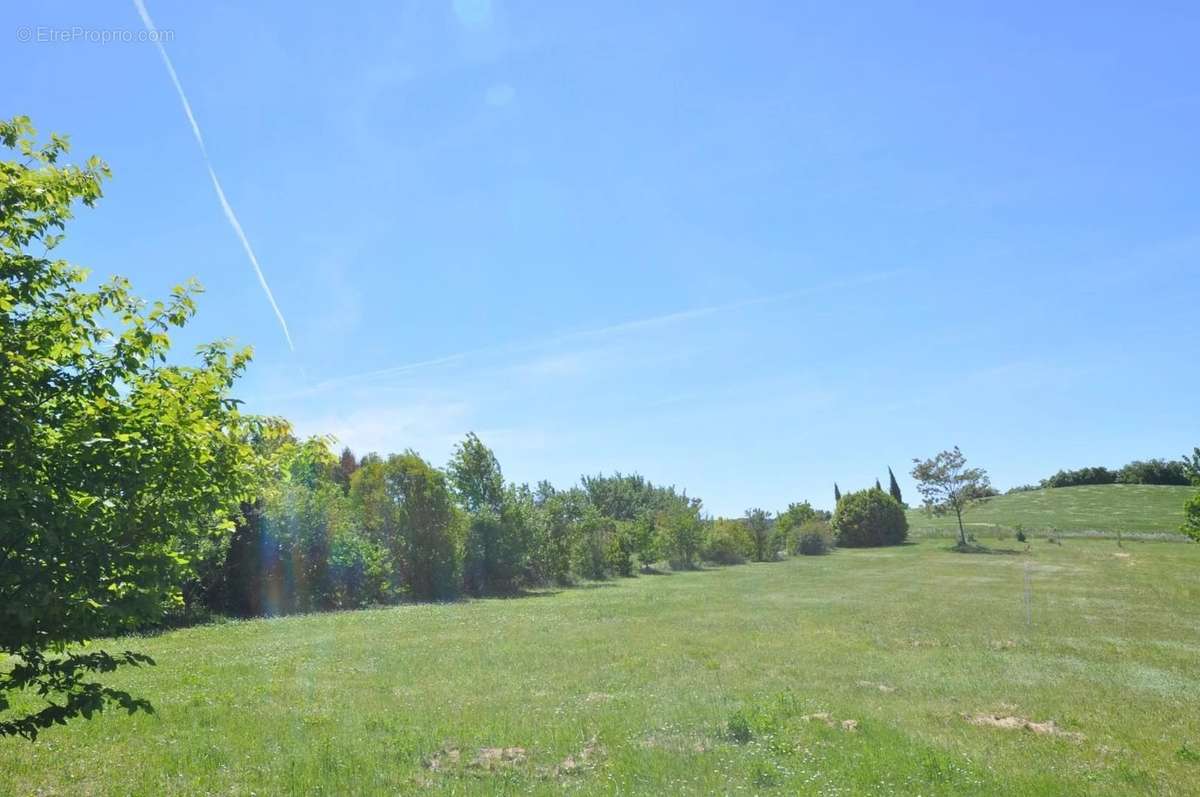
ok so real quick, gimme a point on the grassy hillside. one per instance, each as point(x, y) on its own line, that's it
point(854, 673)
point(1107, 508)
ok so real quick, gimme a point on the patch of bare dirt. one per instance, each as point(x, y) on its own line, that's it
point(444, 758)
point(923, 643)
point(579, 762)
point(881, 687)
point(493, 758)
point(1012, 723)
point(488, 759)
point(829, 721)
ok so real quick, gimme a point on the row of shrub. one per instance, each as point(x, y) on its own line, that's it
point(328, 532)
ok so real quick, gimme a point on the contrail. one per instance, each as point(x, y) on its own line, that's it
point(623, 327)
point(225, 206)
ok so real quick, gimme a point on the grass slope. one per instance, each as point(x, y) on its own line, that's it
point(629, 687)
point(1106, 508)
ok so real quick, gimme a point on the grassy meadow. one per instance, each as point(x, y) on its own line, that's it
point(1107, 508)
point(861, 672)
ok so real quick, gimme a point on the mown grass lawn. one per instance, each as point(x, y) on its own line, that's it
point(1103, 507)
point(629, 687)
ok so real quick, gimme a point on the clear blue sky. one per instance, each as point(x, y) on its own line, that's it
point(748, 250)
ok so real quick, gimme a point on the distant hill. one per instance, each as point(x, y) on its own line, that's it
point(1103, 507)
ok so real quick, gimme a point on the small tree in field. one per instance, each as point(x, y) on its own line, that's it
point(947, 485)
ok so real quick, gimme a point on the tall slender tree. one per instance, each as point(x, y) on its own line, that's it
point(878, 486)
point(837, 494)
point(894, 487)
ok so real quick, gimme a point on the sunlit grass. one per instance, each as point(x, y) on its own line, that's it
point(629, 686)
point(1108, 508)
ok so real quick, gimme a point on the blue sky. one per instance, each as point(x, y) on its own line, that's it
point(749, 251)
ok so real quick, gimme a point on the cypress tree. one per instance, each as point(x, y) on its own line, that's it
point(894, 488)
point(837, 494)
point(878, 486)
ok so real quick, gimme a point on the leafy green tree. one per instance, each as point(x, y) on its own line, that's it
point(728, 542)
point(346, 465)
point(115, 467)
point(758, 523)
point(869, 518)
point(680, 533)
point(475, 476)
point(500, 519)
point(643, 540)
point(814, 538)
point(788, 522)
point(1191, 466)
point(557, 535)
point(621, 548)
point(1191, 514)
point(947, 485)
point(596, 532)
point(427, 524)
point(894, 487)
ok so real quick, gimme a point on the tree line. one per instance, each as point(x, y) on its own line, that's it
point(1178, 472)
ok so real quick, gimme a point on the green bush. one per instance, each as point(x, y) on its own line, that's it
point(869, 518)
point(1191, 513)
point(814, 538)
point(728, 543)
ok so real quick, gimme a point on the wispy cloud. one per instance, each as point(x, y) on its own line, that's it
point(560, 364)
point(225, 206)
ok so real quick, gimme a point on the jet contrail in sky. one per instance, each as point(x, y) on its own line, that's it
point(225, 206)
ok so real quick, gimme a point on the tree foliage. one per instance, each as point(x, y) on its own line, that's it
point(814, 538)
point(1191, 515)
point(728, 543)
point(500, 519)
point(1080, 476)
point(894, 487)
point(1191, 466)
point(1155, 471)
point(947, 485)
point(429, 529)
point(869, 518)
point(758, 524)
point(788, 523)
point(115, 466)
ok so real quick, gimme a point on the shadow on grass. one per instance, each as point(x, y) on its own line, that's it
point(976, 548)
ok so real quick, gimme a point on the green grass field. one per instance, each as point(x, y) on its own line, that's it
point(1109, 508)
point(630, 687)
